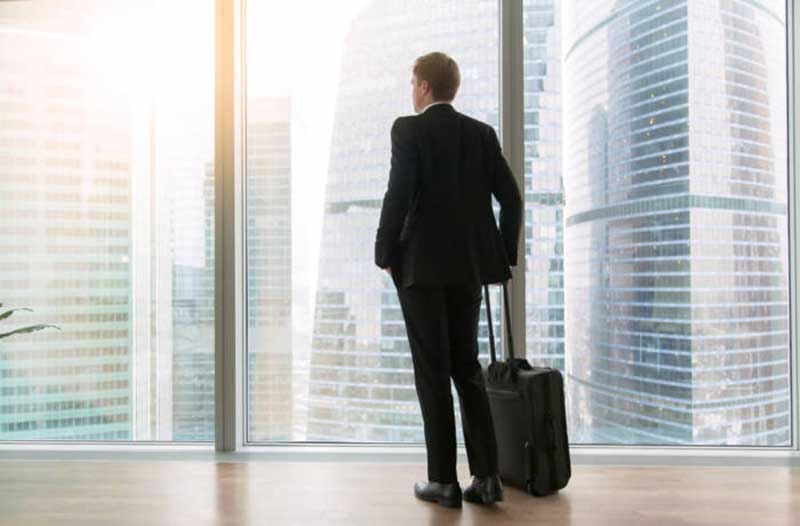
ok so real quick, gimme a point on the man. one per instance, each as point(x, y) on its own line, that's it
point(439, 242)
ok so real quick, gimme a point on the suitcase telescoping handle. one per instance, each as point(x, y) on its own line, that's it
point(510, 357)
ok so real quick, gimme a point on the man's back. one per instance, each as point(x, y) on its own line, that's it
point(437, 226)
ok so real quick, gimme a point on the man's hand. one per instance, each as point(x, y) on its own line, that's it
point(388, 270)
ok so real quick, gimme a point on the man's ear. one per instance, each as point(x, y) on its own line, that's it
point(426, 87)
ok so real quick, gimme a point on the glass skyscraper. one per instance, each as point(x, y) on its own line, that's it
point(108, 231)
point(676, 231)
point(193, 334)
point(361, 384)
point(65, 245)
point(544, 191)
point(361, 377)
point(269, 269)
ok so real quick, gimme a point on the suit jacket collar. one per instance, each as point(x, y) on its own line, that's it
point(438, 106)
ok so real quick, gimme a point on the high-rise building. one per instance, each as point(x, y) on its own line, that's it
point(104, 187)
point(182, 150)
point(193, 333)
point(65, 242)
point(544, 191)
point(151, 311)
point(361, 384)
point(270, 401)
point(676, 227)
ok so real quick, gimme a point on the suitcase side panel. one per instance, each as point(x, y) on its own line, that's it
point(508, 411)
point(549, 445)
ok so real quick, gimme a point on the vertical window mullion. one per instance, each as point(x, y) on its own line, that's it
point(228, 237)
point(793, 49)
point(512, 137)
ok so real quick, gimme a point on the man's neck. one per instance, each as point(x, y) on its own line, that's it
point(434, 103)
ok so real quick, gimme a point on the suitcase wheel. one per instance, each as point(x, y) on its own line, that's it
point(530, 488)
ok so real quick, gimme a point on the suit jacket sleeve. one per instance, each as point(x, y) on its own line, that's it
point(396, 201)
point(506, 191)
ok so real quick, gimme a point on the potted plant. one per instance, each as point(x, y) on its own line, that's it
point(21, 330)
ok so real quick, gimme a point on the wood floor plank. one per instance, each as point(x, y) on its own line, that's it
point(139, 492)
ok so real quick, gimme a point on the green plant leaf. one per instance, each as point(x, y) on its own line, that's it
point(24, 330)
point(8, 313)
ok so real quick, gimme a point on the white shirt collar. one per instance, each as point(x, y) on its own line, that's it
point(434, 104)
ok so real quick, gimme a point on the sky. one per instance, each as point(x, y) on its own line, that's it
point(295, 49)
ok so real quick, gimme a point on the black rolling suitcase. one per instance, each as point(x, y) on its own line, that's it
point(527, 405)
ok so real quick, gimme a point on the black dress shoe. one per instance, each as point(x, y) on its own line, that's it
point(484, 490)
point(445, 494)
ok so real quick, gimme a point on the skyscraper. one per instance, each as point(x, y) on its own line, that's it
point(361, 376)
point(269, 269)
point(676, 238)
point(193, 334)
point(103, 184)
point(65, 243)
point(544, 191)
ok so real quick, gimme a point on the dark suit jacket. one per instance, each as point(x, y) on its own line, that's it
point(437, 226)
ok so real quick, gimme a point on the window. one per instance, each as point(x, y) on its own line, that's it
point(327, 354)
point(672, 250)
point(106, 188)
point(655, 178)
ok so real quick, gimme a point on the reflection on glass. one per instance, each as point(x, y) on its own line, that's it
point(107, 200)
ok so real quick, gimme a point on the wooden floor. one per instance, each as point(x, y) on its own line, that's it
point(327, 493)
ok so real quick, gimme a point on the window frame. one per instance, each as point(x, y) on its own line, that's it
point(511, 91)
point(230, 266)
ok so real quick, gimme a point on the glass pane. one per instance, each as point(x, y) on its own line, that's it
point(106, 188)
point(327, 354)
point(675, 223)
point(544, 189)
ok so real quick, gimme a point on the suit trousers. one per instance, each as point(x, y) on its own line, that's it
point(442, 327)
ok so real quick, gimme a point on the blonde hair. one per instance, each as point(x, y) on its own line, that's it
point(441, 72)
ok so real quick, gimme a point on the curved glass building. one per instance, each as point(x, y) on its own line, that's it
point(675, 222)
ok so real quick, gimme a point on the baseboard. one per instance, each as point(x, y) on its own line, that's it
point(580, 455)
